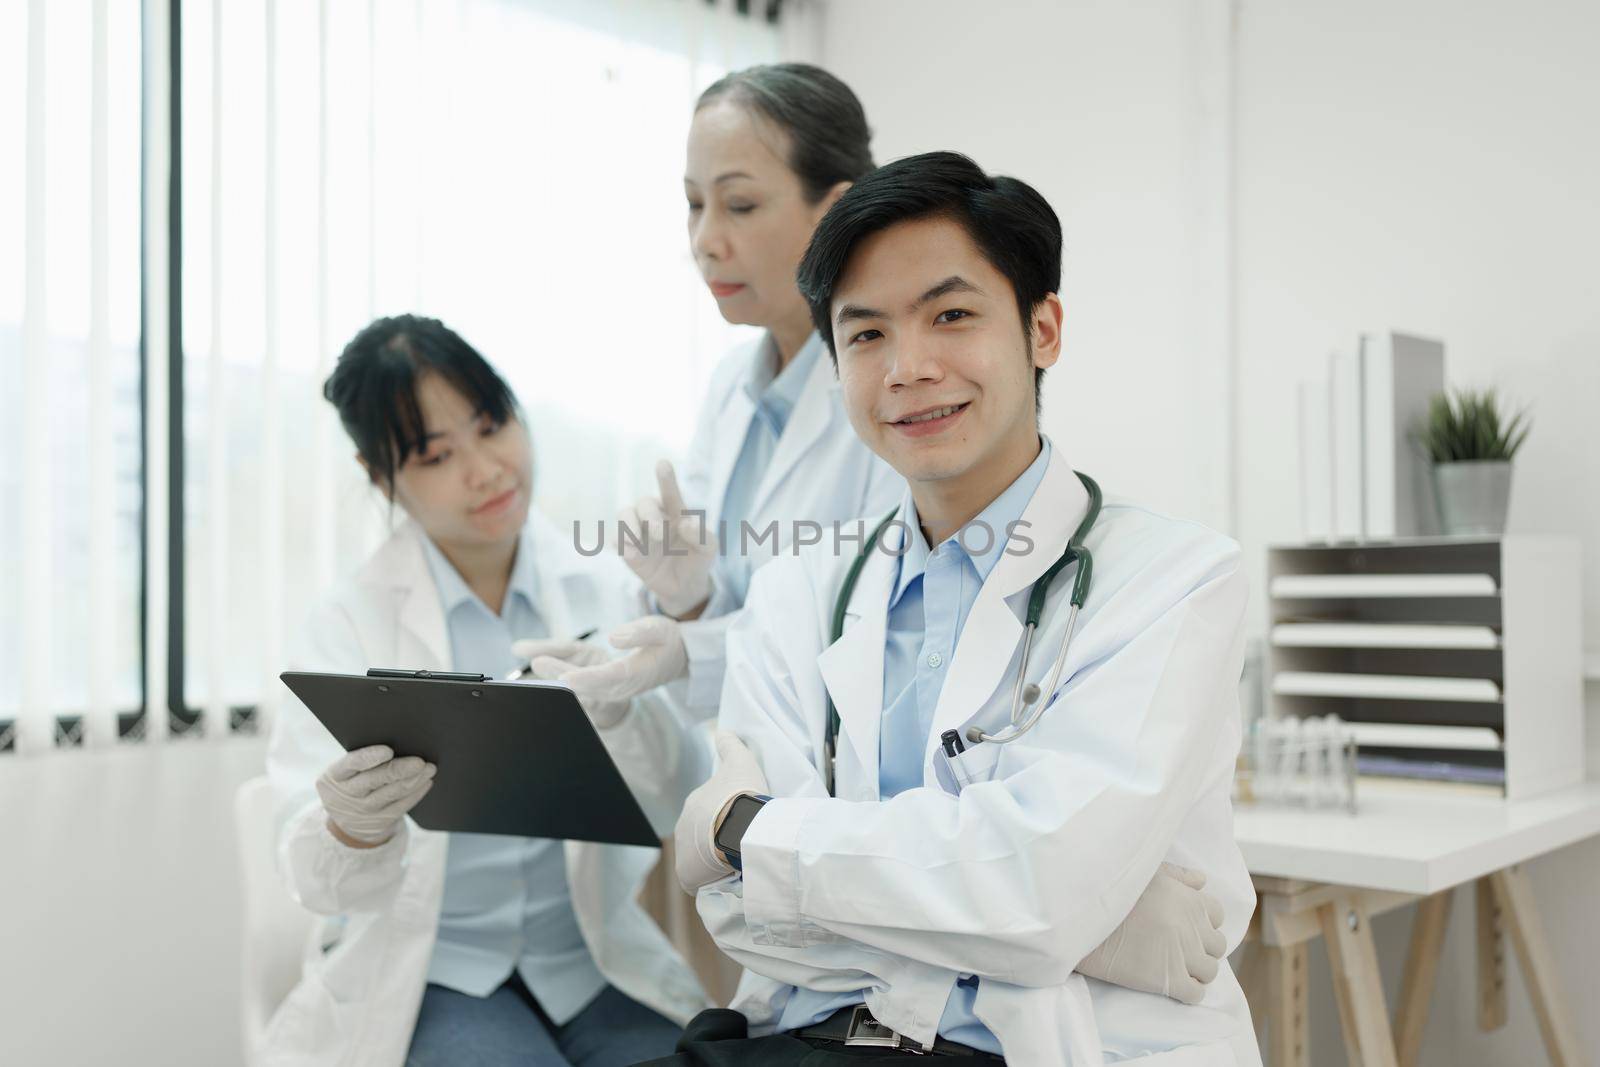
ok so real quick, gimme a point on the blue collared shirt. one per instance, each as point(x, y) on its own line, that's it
point(506, 902)
point(774, 396)
point(928, 605)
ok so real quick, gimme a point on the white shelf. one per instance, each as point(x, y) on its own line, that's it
point(1340, 586)
point(1509, 605)
point(1385, 687)
point(1382, 635)
point(1408, 735)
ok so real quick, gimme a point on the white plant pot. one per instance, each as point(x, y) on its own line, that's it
point(1473, 496)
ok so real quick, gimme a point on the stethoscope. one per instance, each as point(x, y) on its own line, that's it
point(1023, 693)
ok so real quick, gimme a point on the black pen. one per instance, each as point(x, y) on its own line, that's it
point(952, 743)
point(526, 669)
point(953, 750)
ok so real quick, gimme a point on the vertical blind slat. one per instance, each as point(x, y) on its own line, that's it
point(322, 474)
point(100, 727)
point(155, 208)
point(36, 725)
point(214, 637)
point(272, 525)
point(372, 159)
point(418, 105)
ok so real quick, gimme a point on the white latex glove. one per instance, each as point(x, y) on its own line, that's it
point(676, 549)
point(1171, 943)
point(605, 685)
point(699, 862)
point(574, 663)
point(367, 792)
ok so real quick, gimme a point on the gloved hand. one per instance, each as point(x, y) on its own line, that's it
point(1171, 943)
point(676, 549)
point(698, 860)
point(575, 664)
point(367, 792)
point(605, 685)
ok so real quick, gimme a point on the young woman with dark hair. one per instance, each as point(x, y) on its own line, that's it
point(463, 948)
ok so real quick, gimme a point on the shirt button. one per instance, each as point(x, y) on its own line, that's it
point(935, 660)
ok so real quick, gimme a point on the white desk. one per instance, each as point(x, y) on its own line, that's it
point(1326, 873)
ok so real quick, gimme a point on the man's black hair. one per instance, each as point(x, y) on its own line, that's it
point(828, 135)
point(1014, 227)
point(374, 387)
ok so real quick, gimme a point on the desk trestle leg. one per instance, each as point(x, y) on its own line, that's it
point(1357, 987)
point(1422, 967)
point(1515, 896)
point(1491, 959)
point(1287, 1002)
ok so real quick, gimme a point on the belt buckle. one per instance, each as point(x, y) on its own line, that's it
point(867, 1031)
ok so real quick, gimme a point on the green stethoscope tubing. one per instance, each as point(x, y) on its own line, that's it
point(1022, 693)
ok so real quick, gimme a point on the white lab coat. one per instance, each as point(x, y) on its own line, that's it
point(820, 473)
point(1026, 871)
point(357, 1001)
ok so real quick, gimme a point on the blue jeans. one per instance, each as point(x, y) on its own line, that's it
point(509, 1027)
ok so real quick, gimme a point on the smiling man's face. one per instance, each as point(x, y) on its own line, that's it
point(936, 367)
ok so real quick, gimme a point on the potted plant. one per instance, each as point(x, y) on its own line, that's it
point(1471, 443)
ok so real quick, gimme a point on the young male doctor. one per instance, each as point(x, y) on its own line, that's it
point(946, 904)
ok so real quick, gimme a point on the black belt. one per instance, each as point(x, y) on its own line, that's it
point(856, 1026)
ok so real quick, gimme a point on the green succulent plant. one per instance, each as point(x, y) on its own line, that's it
point(1470, 426)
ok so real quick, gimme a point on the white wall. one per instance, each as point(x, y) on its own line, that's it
point(1429, 165)
point(119, 905)
point(1114, 112)
point(1432, 165)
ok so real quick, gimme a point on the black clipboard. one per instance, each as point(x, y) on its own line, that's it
point(516, 758)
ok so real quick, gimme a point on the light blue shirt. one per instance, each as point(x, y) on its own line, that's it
point(928, 605)
point(506, 903)
point(774, 396)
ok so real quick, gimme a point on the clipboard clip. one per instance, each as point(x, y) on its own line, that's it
point(437, 676)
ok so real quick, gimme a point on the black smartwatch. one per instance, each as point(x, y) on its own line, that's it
point(730, 832)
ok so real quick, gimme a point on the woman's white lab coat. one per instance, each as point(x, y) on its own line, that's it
point(357, 1001)
point(1023, 873)
point(820, 473)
